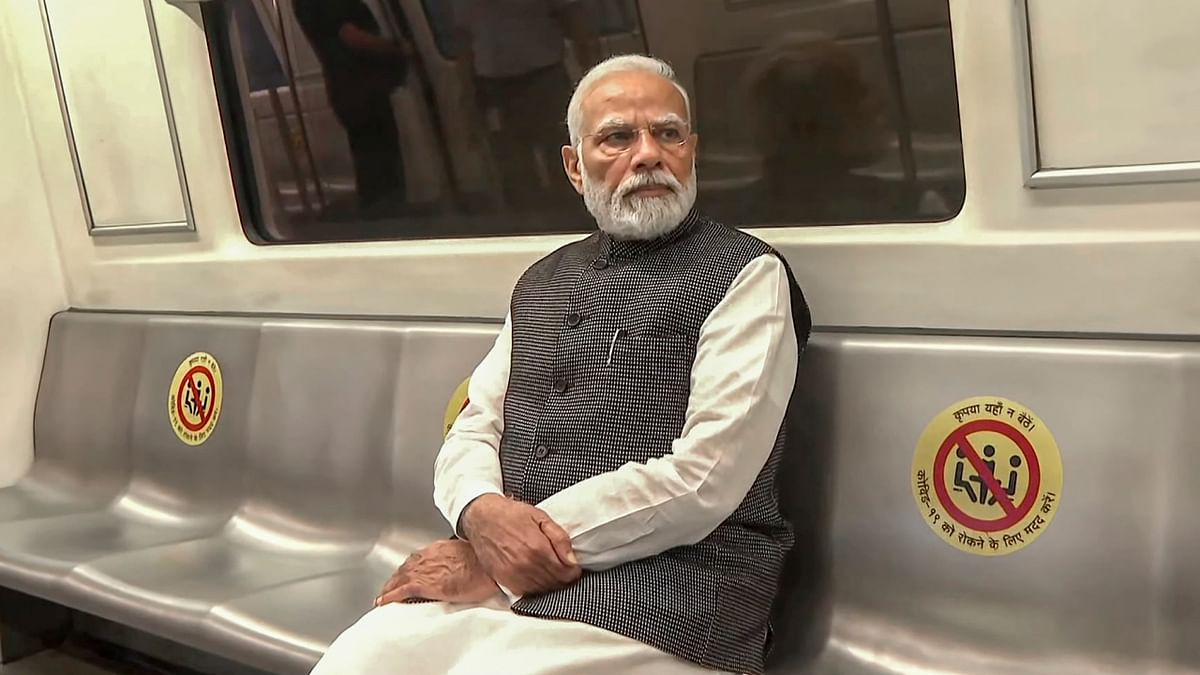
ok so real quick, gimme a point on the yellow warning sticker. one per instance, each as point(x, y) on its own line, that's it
point(194, 400)
point(458, 403)
point(987, 476)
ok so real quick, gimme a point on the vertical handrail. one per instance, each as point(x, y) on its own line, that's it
point(293, 161)
point(891, 57)
point(291, 78)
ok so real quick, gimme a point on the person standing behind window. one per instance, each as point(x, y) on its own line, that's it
point(516, 51)
point(361, 70)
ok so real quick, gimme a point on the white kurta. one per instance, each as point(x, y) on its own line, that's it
point(442, 639)
point(742, 379)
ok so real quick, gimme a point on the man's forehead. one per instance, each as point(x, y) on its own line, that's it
point(621, 94)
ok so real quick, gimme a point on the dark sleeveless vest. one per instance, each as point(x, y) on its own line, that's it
point(604, 334)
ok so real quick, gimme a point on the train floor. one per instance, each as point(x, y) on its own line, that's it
point(55, 663)
point(82, 656)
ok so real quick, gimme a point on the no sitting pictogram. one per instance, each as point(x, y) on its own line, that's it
point(983, 487)
point(194, 400)
point(987, 476)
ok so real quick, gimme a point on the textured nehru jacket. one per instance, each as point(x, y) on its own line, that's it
point(604, 334)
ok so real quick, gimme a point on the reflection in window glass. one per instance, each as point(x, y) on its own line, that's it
point(386, 119)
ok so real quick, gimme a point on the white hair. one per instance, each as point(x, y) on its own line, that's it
point(625, 63)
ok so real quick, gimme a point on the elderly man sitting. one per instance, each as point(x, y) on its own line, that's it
point(612, 482)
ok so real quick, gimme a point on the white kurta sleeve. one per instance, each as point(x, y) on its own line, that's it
point(468, 465)
point(742, 379)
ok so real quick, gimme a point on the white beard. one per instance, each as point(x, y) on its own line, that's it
point(634, 217)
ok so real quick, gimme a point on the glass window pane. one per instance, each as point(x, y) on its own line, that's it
point(387, 119)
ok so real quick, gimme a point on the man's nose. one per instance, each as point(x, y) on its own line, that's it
point(647, 153)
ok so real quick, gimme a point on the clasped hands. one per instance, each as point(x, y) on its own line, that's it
point(508, 542)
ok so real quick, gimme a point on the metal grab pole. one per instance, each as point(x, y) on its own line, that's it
point(891, 58)
point(291, 77)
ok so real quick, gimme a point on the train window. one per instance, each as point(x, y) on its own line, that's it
point(387, 119)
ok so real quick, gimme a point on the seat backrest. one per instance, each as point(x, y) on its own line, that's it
point(1106, 584)
point(435, 359)
point(205, 480)
point(85, 403)
point(320, 424)
point(801, 615)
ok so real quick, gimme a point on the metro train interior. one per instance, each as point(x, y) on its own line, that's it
point(242, 280)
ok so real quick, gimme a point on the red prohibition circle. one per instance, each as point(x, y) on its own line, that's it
point(205, 415)
point(1012, 514)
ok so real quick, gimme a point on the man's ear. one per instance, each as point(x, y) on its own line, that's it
point(571, 166)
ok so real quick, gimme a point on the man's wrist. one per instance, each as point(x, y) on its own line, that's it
point(465, 520)
point(465, 494)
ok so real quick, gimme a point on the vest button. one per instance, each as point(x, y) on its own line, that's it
point(561, 385)
point(600, 263)
point(574, 319)
point(541, 452)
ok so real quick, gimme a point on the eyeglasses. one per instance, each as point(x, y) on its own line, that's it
point(616, 140)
